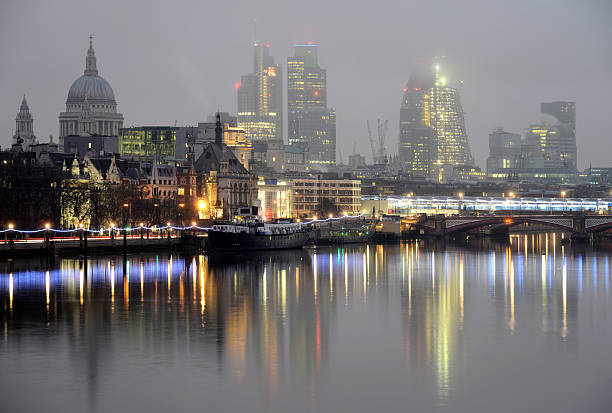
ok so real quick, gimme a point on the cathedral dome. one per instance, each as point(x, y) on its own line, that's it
point(94, 87)
point(91, 85)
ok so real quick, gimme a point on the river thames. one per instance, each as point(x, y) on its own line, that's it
point(504, 327)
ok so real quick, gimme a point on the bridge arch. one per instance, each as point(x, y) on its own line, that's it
point(462, 224)
point(598, 224)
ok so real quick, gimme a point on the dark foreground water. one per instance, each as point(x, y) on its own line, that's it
point(520, 327)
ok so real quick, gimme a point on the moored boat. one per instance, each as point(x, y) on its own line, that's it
point(257, 235)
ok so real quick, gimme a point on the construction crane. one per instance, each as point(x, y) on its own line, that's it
point(379, 154)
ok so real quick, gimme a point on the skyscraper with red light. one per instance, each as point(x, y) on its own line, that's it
point(311, 123)
point(432, 130)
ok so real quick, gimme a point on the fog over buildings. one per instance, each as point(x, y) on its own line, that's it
point(179, 61)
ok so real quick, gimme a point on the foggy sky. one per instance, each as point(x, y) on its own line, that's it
point(177, 60)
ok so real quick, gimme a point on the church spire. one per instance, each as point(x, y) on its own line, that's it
point(90, 60)
point(218, 131)
point(24, 123)
point(24, 105)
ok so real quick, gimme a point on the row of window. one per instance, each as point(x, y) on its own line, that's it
point(161, 181)
point(328, 192)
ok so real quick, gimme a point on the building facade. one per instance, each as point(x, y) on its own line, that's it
point(311, 124)
point(148, 142)
point(504, 150)
point(260, 97)
point(161, 181)
point(97, 145)
point(275, 198)
point(432, 126)
point(91, 108)
point(317, 197)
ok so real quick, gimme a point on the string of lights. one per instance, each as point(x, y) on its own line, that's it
point(149, 228)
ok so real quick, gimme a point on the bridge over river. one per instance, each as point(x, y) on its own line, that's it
point(580, 225)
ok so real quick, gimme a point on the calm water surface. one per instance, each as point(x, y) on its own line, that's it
point(525, 326)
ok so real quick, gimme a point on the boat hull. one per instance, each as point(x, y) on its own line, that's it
point(227, 241)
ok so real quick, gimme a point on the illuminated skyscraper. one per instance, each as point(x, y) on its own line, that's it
point(311, 123)
point(260, 97)
point(561, 144)
point(432, 126)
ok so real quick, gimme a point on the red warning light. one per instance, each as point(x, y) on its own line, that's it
point(236, 85)
point(316, 93)
point(416, 89)
point(405, 89)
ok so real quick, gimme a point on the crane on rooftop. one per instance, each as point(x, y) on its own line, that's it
point(377, 144)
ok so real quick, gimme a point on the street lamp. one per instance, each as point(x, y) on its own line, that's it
point(564, 202)
point(11, 226)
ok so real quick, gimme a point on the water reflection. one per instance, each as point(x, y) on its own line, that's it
point(290, 327)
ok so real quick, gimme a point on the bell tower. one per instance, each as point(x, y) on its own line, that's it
point(24, 126)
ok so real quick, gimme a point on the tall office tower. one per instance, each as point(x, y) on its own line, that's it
point(260, 97)
point(561, 145)
point(311, 124)
point(432, 127)
point(504, 150)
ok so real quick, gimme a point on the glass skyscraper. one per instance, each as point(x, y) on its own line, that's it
point(311, 124)
point(260, 97)
point(432, 127)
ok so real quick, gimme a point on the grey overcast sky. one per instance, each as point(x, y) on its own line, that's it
point(177, 60)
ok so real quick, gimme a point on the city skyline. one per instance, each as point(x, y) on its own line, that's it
point(502, 88)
